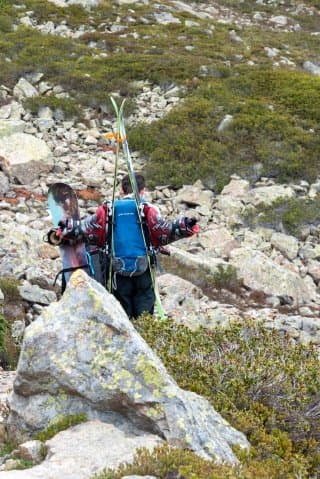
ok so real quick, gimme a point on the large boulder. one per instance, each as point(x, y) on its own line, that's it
point(186, 304)
point(268, 194)
point(9, 127)
point(217, 240)
point(206, 262)
point(23, 89)
point(195, 195)
point(288, 245)
point(83, 355)
point(260, 273)
point(87, 449)
point(23, 157)
point(237, 188)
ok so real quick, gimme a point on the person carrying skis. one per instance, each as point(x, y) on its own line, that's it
point(134, 240)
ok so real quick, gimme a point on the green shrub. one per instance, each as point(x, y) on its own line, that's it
point(3, 332)
point(43, 11)
point(24, 464)
point(60, 424)
point(5, 23)
point(168, 462)
point(275, 120)
point(7, 448)
point(9, 350)
point(286, 214)
point(9, 287)
point(67, 105)
point(262, 382)
point(226, 277)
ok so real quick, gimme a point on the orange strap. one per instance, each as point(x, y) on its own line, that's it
point(115, 136)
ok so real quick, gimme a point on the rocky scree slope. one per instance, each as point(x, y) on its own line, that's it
point(261, 273)
point(280, 285)
point(286, 273)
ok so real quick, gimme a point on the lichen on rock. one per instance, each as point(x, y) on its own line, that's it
point(83, 356)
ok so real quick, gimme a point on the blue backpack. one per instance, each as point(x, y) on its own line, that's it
point(130, 255)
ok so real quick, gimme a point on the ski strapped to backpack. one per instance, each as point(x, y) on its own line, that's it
point(115, 174)
point(143, 245)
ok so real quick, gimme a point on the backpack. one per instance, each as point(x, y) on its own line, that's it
point(130, 251)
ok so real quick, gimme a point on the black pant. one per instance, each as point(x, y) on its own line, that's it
point(135, 294)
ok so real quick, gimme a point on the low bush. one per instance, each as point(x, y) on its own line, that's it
point(4, 326)
point(262, 382)
point(67, 105)
point(9, 287)
point(9, 350)
point(274, 123)
point(166, 462)
point(226, 278)
point(288, 215)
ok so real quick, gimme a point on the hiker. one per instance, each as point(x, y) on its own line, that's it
point(132, 281)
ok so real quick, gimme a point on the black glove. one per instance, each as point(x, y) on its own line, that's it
point(71, 229)
point(190, 222)
point(186, 227)
point(191, 226)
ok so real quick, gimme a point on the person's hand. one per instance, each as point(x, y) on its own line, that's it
point(70, 228)
point(191, 225)
point(53, 237)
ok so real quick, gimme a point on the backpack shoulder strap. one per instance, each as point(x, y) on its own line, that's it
point(146, 230)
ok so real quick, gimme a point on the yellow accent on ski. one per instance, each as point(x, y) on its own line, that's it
point(114, 136)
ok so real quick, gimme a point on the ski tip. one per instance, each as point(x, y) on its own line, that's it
point(116, 107)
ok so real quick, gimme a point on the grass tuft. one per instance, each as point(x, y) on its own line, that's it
point(60, 424)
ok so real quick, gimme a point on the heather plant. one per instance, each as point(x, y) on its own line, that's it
point(9, 350)
point(67, 105)
point(274, 120)
point(226, 278)
point(3, 332)
point(262, 382)
point(167, 462)
point(288, 215)
point(9, 287)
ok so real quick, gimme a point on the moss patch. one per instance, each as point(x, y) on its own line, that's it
point(60, 424)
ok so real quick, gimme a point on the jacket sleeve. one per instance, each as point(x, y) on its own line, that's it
point(96, 226)
point(162, 231)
